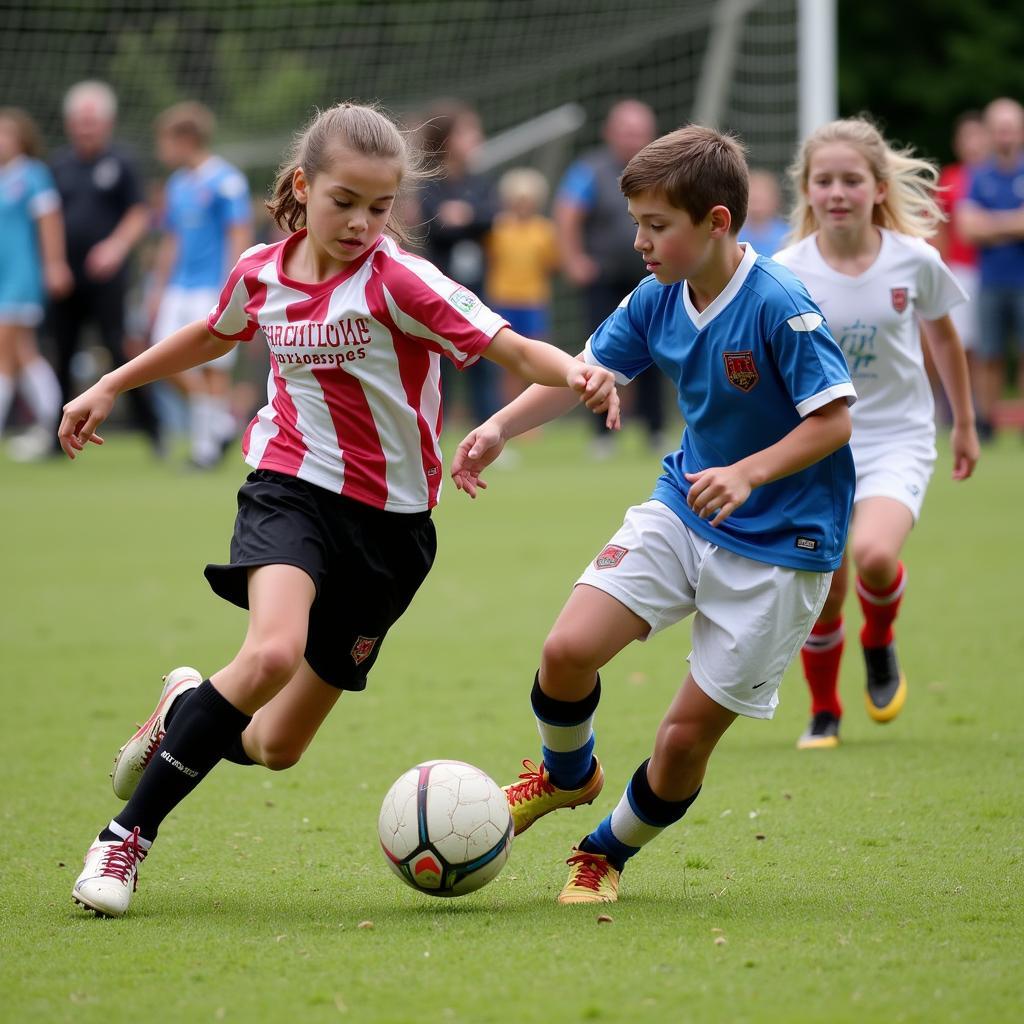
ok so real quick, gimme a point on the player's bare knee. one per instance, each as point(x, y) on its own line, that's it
point(567, 652)
point(875, 563)
point(272, 661)
point(682, 743)
point(278, 757)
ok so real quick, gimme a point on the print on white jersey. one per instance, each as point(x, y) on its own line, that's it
point(874, 317)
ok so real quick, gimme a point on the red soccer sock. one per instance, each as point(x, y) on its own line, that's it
point(880, 609)
point(821, 655)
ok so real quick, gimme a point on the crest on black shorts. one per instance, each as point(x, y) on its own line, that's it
point(610, 557)
point(741, 369)
point(363, 648)
point(900, 298)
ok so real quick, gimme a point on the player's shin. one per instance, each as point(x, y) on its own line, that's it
point(567, 735)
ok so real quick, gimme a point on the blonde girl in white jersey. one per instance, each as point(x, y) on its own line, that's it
point(863, 210)
point(333, 534)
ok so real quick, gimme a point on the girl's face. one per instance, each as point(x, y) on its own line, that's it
point(348, 203)
point(841, 189)
point(672, 246)
point(10, 140)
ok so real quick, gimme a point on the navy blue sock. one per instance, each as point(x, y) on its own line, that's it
point(566, 734)
point(640, 816)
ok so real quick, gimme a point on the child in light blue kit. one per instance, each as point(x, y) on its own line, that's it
point(745, 526)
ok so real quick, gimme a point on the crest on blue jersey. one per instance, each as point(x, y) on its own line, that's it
point(741, 370)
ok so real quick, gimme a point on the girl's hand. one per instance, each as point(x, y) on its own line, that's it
point(596, 386)
point(83, 415)
point(476, 452)
point(718, 491)
point(966, 450)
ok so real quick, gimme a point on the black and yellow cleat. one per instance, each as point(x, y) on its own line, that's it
point(821, 734)
point(886, 689)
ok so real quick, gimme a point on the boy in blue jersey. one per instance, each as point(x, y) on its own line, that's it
point(745, 525)
point(207, 222)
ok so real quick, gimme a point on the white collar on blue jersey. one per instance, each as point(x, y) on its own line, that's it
point(725, 296)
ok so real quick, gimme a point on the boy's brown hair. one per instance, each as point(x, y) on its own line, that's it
point(695, 168)
point(189, 119)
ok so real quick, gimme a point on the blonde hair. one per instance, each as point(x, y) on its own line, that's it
point(364, 129)
point(524, 182)
point(29, 140)
point(909, 207)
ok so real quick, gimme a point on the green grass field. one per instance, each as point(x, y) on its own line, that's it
point(886, 887)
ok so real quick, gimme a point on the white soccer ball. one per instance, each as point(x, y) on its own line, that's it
point(445, 828)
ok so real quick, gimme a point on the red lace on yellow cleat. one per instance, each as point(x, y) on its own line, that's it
point(535, 782)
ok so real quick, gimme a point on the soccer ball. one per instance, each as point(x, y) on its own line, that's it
point(445, 828)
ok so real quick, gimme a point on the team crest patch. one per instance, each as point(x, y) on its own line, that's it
point(463, 300)
point(741, 370)
point(610, 557)
point(363, 648)
point(900, 298)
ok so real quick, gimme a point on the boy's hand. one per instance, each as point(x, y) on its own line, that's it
point(82, 416)
point(476, 451)
point(718, 491)
point(966, 450)
point(596, 386)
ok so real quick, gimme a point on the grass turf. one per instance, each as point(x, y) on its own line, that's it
point(880, 881)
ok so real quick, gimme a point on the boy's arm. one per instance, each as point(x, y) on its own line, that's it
point(944, 344)
point(719, 490)
point(192, 346)
point(536, 406)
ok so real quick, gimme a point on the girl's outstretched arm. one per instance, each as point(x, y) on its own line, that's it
point(192, 346)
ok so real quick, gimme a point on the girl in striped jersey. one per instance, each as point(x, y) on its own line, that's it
point(862, 213)
point(333, 534)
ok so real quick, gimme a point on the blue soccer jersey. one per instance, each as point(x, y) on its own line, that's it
point(746, 370)
point(201, 205)
point(27, 193)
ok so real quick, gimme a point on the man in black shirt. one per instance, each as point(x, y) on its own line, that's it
point(104, 219)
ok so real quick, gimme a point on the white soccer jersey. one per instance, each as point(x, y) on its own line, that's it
point(874, 317)
point(353, 395)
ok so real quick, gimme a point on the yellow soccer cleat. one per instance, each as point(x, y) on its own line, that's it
point(534, 795)
point(886, 688)
point(821, 734)
point(591, 879)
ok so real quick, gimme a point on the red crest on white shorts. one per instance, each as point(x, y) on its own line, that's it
point(610, 557)
point(363, 648)
point(900, 298)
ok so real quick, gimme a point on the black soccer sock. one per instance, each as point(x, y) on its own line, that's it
point(235, 752)
point(203, 728)
point(176, 705)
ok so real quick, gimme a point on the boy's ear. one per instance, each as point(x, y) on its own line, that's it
point(721, 221)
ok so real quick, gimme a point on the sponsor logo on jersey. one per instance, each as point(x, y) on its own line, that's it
point(610, 557)
point(900, 298)
point(363, 648)
point(741, 370)
point(463, 300)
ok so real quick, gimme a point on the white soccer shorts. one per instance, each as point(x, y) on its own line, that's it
point(750, 618)
point(180, 307)
point(893, 472)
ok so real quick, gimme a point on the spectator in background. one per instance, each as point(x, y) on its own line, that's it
point(458, 207)
point(992, 218)
point(522, 254)
point(207, 224)
point(104, 219)
point(970, 148)
point(32, 263)
point(596, 235)
point(764, 229)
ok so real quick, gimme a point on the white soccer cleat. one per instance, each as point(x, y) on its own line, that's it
point(133, 757)
point(110, 875)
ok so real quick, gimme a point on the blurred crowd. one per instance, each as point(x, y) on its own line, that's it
point(98, 263)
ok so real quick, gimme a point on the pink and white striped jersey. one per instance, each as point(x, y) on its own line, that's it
point(354, 395)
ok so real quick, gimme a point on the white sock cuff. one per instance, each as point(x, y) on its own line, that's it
point(563, 739)
point(629, 829)
point(123, 833)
